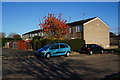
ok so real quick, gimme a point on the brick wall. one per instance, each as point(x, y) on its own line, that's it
point(96, 32)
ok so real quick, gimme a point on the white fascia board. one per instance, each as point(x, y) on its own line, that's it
point(89, 21)
point(103, 22)
point(94, 20)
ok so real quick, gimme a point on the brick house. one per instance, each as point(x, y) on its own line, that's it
point(31, 34)
point(92, 30)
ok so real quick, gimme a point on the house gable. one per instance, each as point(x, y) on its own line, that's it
point(96, 32)
point(96, 19)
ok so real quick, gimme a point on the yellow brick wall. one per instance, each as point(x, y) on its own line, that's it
point(96, 32)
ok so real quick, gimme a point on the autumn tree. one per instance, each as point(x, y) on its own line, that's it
point(54, 27)
point(17, 36)
point(14, 35)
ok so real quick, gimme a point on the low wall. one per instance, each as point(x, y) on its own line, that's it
point(113, 47)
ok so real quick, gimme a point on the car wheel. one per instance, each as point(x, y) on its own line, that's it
point(67, 54)
point(36, 56)
point(102, 52)
point(91, 52)
point(48, 55)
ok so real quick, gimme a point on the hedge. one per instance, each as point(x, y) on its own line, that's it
point(76, 44)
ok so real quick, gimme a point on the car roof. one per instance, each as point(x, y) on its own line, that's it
point(59, 43)
point(91, 44)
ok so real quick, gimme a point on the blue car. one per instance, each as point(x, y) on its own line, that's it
point(54, 49)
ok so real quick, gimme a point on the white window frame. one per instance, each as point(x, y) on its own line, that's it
point(71, 30)
point(30, 35)
point(42, 34)
point(35, 34)
point(39, 34)
point(78, 28)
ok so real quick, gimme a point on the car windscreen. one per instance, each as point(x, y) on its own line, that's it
point(47, 46)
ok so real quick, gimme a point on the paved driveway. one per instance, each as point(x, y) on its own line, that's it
point(23, 64)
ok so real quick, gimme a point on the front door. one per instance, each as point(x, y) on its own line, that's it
point(54, 50)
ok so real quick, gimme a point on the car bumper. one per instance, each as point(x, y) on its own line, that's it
point(40, 54)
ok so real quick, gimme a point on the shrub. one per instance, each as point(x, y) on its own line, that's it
point(76, 44)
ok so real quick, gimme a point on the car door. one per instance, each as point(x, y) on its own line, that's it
point(54, 50)
point(99, 48)
point(93, 48)
point(62, 49)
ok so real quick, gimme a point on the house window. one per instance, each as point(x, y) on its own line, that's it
point(39, 34)
point(30, 35)
point(36, 34)
point(71, 30)
point(78, 28)
point(33, 35)
point(42, 34)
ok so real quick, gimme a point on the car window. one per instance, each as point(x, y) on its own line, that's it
point(96, 46)
point(90, 45)
point(86, 45)
point(66, 46)
point(55, 46)
point(62, 46)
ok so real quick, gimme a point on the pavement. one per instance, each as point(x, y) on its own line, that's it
point(18, 64)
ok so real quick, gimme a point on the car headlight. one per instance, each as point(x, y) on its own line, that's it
point(36, 51)
point(43, 51)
